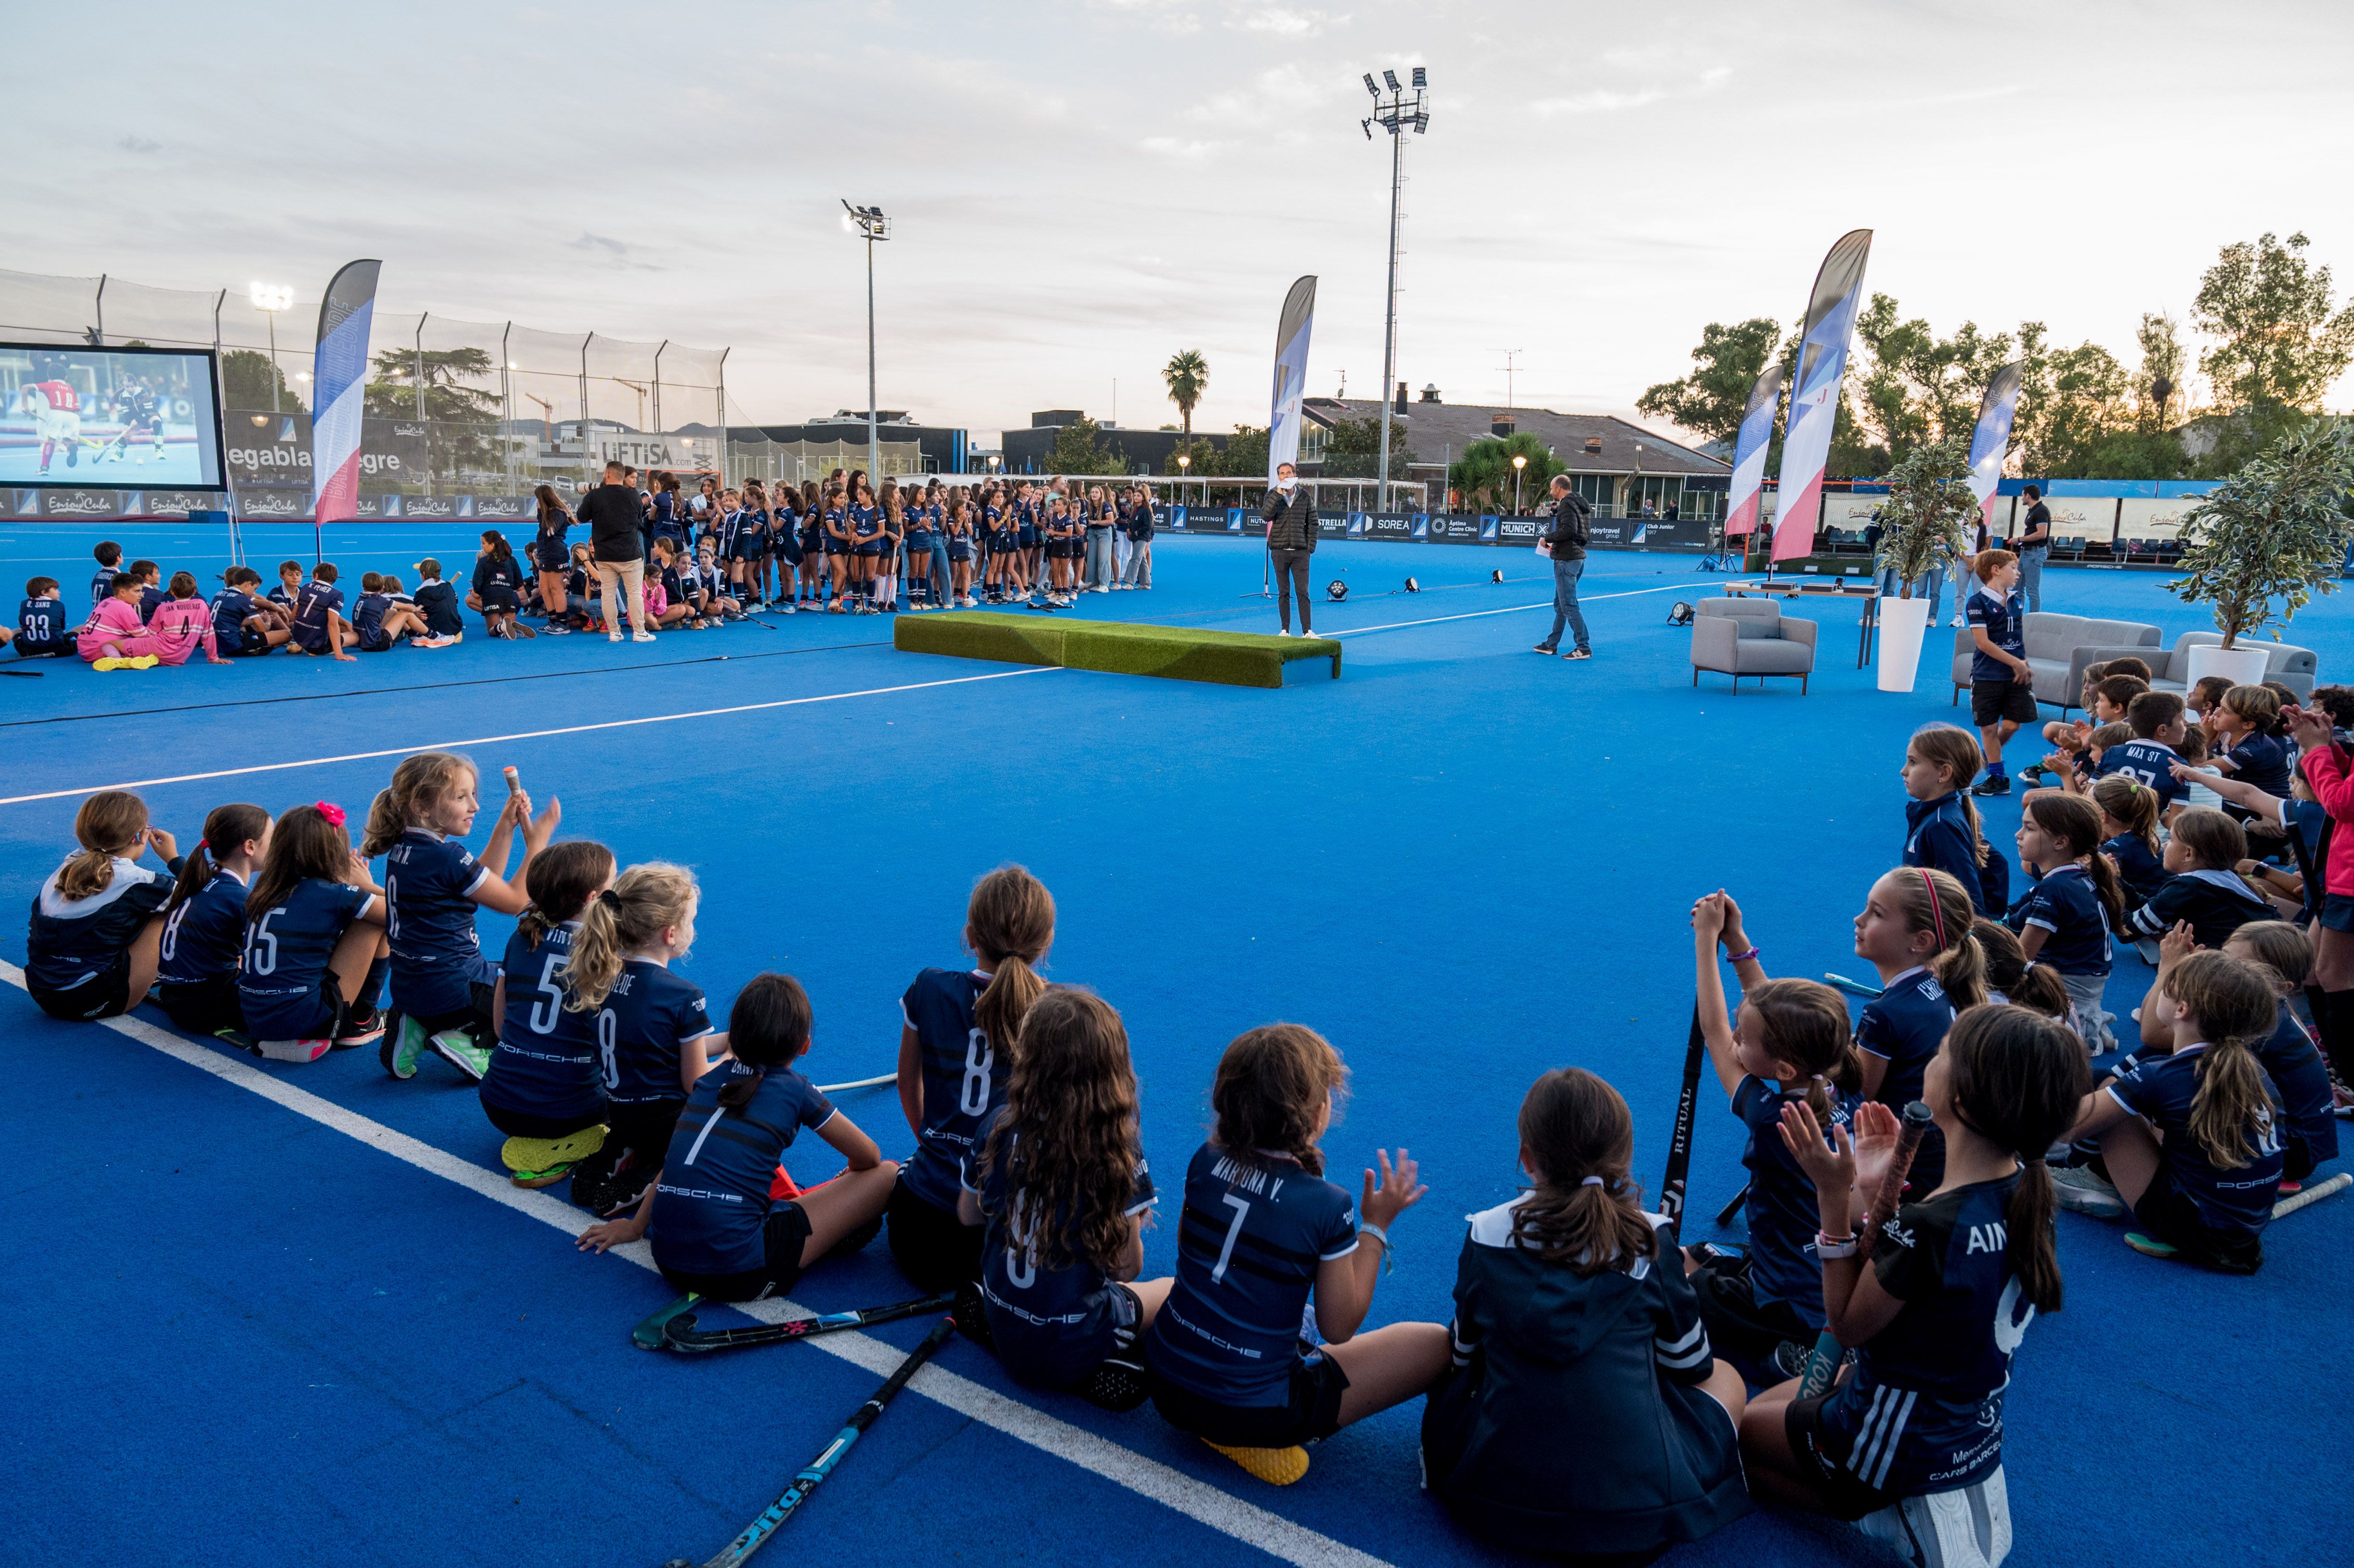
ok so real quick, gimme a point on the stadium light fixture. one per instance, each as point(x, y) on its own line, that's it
point(1389, 78)
point(1370, 87)
point(270, 298)
point(1404, 108)
point(869, 224)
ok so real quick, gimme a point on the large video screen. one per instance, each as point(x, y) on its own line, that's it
point(141, 416)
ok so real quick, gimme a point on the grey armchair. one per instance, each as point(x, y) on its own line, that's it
point(1739, 637)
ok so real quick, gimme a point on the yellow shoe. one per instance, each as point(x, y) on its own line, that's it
point(544, 1162)
point(109, 662)
point(1275, 1466)
point(145, 662)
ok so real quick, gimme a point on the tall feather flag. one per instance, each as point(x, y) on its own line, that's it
point(1815, 392)
point(1749, 450)
point(339, 386)
point(1990, 441)
point(1290, 375)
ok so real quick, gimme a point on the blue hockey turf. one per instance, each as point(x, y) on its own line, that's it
point(321, 1327)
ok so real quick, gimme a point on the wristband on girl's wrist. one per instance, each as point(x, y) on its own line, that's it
point(1744, 958)
point(1829, 1248)
point(1367, 1228)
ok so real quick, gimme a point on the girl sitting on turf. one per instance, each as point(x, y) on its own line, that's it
point(722, 1234)
point(544, 1087)
point(2128, 810)
point(652, 1026)
point(2206, 889)
point(204, 922)
point(1262, 1231)
point(2246, 742)
point(2288, 1055)
point(956, 1053)
point(2189, 1141)
point(442, 984)
point(2010, 978)
point(1941, 821)
point(1955, 1278)
point(1789, 1041)
point(91, 949)
point(1584, 1407)
point(498, 588)
point(314, 945)
point(2064, 920)
point(1061, 1187)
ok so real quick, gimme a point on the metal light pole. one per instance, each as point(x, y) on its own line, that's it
point(1401, 107)
point(1520, 462)
point(869, 224)
point(270, 298)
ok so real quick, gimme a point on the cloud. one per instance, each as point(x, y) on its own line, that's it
point(139, 144)
point(1607, 100)
point(1162, 15)
point(1288, 24)
point(1182, 148)
point(613, 252)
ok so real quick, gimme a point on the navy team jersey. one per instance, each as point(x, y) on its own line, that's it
point(1923, 1410)
point(286, 953)
point(713, 1200)
point(40, 626)
point(2067, 907)
point(437, 601)
point(2295, 1069)
point(1782, 1214)
point(203, 938)
point(71, 940)
point(368, 618)
point(232, 607)
point(2138, 866)
point(920, 528)
point(1903, 1026)
point(1250, 1243)
point(546, 1063)
point(310, 610)
point(2261, 760)
point(1937, 835)
point(649, 1015)
point(2151, 761)
point(2216, 902)
point(101, 587)
point(2161, 1090)
point(152, 599)
point(963, 1090)
point(1053, 1326)
point(2004, 620)
point(865, 525)
point(428, 882)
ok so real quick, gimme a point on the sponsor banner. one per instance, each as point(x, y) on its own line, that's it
point(272, 505)
point(1755, 438)
point(1388, 526)
point(1292, 334)
point(170, 502)
point(505, 508)
point(277, 450)
point(432, 508)
point(81, 504)
point(1454, 530)
point(1523, 532)
point(1648, 533)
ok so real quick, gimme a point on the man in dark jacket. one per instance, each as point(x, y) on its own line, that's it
point(612, 513)
point(1566, 543)
point(1290, 541)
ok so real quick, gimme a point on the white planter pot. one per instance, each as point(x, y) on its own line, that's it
point(1902, 623)
point(2242, 667)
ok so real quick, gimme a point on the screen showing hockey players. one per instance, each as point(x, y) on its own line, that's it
point(103, 417)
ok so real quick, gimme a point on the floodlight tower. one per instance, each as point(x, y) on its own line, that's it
point(869, 224)
point(1395, 111)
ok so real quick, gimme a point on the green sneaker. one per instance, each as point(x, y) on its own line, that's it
point(401, 1047)
point(457, 1047)
point(2149, 1246)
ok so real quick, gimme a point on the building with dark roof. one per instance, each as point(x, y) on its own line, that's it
point(1145, 452)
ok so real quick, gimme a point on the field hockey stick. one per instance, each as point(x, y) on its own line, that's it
point(773, 1516)
point(681, 1334)
point(1853, 987)
point(2313, 1194)
point(1680, 1142)
point(859, 1083)
point(1823, 1365)
point(1724, 1215)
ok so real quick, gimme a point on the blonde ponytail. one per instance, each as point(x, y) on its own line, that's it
point(633, 912)
point(417, 783)
point(1011, 921)
point(109, 824)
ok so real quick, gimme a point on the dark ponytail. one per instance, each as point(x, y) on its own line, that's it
point(1586, 1210)
point(768, 1027)
point(562, 880)
point(226, 828)
point(2017, 1080)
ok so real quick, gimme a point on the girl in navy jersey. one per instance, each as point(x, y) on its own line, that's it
point(1790, 1042)
point(2067, 913)
point(204, 922)
point(544, 1087)
point(1941, 822)
point(956, 1051)
point(2288, 1055)
point(652, 1028)
point(1261, 1233)
point(958, 544)
point(2128, 810)
point(1061, 1185)
point(1584, 1404)
point(838, 547)
point(2204, 853)
point(314, 949)
point(441, 983)
point(717, 1230)
point(498, 588)
point(92, 947)
point(2189, 1140)
point(1955, 1278)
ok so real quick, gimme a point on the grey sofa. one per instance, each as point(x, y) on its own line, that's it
point(2058, 649)
point(1739, 637)
point(2292, 666)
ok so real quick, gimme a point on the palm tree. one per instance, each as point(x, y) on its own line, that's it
point(1188, 375)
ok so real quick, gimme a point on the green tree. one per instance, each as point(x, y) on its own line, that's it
point(1187, 375)
point(461, 419)
point(1725, 367)
point(2163, 362)
point(1243, 456)
point(2275, 531)
point(247, 376)
point(1931, 512)
point(1080, 449)
point(2070, 401)
point(1917, 387)
point(1484, 472)
point(2279, 341)
point(1362, 437)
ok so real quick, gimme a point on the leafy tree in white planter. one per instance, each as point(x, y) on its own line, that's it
point(2274, 533)
point(1930, 515)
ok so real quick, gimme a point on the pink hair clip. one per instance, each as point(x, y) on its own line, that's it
point(333, 813)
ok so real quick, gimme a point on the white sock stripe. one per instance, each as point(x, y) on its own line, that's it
point(1270, 1532)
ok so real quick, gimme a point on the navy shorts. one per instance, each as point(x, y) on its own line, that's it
point(1310, 1411)
point(2338, 912)
point(1993, 701)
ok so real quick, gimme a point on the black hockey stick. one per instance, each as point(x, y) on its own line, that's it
point(1724, 1215)
point(1823, 1365)
point(773, 1516)
point(681, 1334)
point(1672, 1190)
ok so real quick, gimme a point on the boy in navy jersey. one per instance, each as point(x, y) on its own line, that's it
point(244, 623)
point(151, 587)
point(102, 582)
point(319, 624)
point(2156, 719)
point(2002, 682)
point(288, 591)
point(41, 630)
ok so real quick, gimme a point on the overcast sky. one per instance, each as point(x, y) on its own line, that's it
point(1082, 188)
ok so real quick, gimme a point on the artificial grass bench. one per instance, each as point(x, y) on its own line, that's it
point(1173, 653)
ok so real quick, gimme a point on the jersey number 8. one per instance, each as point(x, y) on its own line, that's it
point(609, 1029)
point(973, 1096)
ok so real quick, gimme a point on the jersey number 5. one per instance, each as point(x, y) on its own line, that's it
point(543, 1014)
point(262, 947)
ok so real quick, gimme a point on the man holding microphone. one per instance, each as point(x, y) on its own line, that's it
point(1291, 518)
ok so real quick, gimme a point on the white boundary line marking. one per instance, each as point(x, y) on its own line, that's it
point(1476, 614)
point(1228, 1515)
point(525, 735)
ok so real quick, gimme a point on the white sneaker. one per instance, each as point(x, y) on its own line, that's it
point(612, 637)
point(1285, 632)
point(642, 637)
point(1961, 621)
